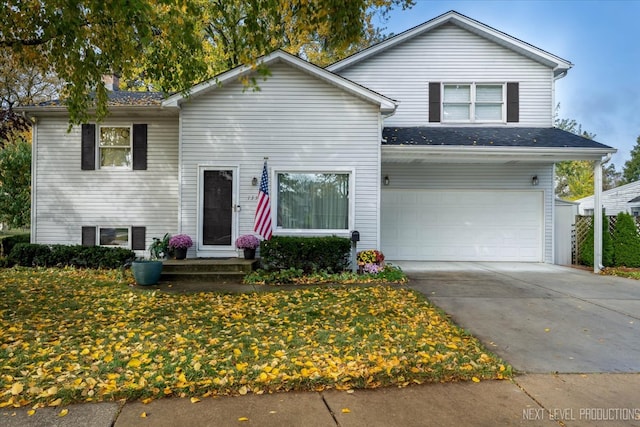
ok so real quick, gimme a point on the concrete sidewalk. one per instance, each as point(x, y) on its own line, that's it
point(529, 400)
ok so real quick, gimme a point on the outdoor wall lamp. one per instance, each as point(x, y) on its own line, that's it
point(534, 180)
point(254, 181)
point(386, 180)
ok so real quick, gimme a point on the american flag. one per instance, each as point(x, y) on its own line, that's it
point(262, 224)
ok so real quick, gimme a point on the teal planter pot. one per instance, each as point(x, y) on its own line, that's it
point(146, 273)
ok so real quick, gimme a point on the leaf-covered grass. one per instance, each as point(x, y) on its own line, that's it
point(630, 273)
point(84, 335)
point(293, 276)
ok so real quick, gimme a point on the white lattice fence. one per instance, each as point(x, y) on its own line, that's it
point(581, 229)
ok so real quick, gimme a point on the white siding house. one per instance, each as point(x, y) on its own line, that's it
point(435, 144)
point(67, 198)
point(625, 198)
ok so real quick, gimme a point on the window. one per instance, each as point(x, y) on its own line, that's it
point(115, 147)
point(313, 201)
point(473, 102)
point(114, 236)
point(635, 211)
point(588, 212)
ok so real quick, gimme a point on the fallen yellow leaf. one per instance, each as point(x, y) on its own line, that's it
point(147, 400)
point(475, 379)
point(243, 419)
point(31, 412)
point(346, 410)
point(63, 413)
point(56, 402)
point(16, 388)
point(143, 415)
point(547, 329)
point(243, 390)
point(195, 400)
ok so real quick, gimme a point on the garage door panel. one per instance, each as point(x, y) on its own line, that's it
point(462, 225)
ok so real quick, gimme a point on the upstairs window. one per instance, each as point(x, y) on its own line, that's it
point(473, 103)
point(115, 147)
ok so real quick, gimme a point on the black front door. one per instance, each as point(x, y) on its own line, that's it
point(217, 214)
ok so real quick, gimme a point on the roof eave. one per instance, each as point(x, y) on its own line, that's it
point(61, 110)
point(473, 154)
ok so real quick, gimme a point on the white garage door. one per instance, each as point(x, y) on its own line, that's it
point(461, 225)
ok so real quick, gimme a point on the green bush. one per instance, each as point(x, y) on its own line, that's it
point(626, 242)
point(8, 242)
point(586, 250)
point(309, 254)
point(34, 255)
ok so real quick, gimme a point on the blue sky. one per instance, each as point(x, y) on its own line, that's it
point(601, 39)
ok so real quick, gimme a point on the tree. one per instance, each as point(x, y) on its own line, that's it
point(21, 83)
point(626, 241)
point(574, 178)
point(167, 42)
point(15, 183)
point(631, 170)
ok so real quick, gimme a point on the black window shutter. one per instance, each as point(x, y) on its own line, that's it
point(88, 147)
point(88, 236)
point(138, 235)
point(140, 147)
point(513, 102)
point(434, 102)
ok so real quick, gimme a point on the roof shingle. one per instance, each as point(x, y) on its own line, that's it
point(487, 137)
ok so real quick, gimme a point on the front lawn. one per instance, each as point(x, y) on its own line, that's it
point(84, 335)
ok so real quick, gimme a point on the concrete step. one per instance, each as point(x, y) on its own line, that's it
point(199, 276)
point(206, 265)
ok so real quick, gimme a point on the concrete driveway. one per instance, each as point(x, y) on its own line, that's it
point(540, 318)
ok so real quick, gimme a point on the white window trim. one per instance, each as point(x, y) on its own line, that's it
point(101, 227)
point(208, 250)
point(99, 147)
point(472, 101)
point(273, 192)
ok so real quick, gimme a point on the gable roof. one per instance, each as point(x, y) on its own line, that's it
point(559, 65)
point(387, 105)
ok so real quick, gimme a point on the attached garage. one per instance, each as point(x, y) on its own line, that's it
point(462, 225)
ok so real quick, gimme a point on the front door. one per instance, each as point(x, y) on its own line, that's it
point(217, 215)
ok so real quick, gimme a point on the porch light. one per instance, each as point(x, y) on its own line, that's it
point(534, 180)
point(254, 181)
point(386, 180)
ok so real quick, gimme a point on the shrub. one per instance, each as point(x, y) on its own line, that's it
point(309, 254)
point(8, 242)
point(29, 255)
point(626, 242)
point(34, 255)
point(586, 250)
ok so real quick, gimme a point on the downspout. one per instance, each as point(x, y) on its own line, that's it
point(597, 216)
point(34, 181)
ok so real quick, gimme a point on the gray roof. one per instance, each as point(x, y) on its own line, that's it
point(634, 200)
point(487, 137)
point(121, 98)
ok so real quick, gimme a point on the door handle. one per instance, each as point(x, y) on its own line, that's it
point(236, 208)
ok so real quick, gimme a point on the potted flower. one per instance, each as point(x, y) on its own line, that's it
point(370, 261)
point(249, 243)
point(179, 244)
point(159, 249)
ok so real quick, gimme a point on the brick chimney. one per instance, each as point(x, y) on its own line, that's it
point(111, 82)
